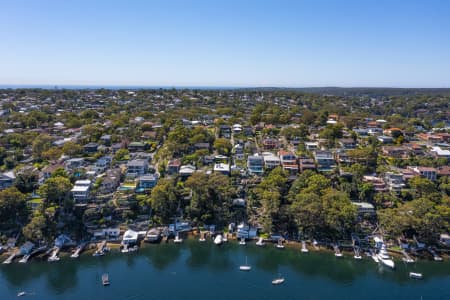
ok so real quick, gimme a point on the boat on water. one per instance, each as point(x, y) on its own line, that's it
point(105, 279)
point(304, 249)
point(337, 251)
point(218, 240)
point(280, 244)
point(127, 249)
point(245, 267)
point(98, 253)
point(225, 238)
point(278, 281)
point(260, 242)
point(242, 241)
point(21, 294)
point(384, 258)
point(202, 239)
point(415, 275)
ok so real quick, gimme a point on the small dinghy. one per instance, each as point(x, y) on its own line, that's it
point(415, 275)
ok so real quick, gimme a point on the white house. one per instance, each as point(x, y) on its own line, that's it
point(81, 190)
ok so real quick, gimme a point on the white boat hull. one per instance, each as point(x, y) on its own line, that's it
point(387, 262)
point(218, 240)
point(278, 281)
point(245, 268)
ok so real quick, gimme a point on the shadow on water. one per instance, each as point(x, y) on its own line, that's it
point(161, 255)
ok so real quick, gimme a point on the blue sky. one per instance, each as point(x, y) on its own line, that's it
point(226, 43)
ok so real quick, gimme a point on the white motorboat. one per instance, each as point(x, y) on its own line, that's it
point(277, 281)
point(105, 279)
point(98, 253)
point(358, 257)
point(245, 267)
point(218, 240)
point(53, 258)
point(280, 244)
point(202, 239)
point(242, 242)
point(225, 238)
point(21, 294)
point(260, 242)
point(415, 275)
point(384, 258)
point(304, 249)
point(337, 252)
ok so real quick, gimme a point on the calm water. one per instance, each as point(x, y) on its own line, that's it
point(196, 270)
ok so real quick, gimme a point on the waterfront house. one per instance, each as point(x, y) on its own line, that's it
point(63, 240)
point(107, 233)
point(130, 238)
point(26, 248)
point(245, 231)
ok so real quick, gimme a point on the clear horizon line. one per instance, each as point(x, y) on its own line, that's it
point(181, 86)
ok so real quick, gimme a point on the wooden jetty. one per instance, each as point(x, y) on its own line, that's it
point(337, 251)
point(10, 258)
point(54, 256)
point(436, 257)
point(406, 258)
point(101, 249)
point(78, 250)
